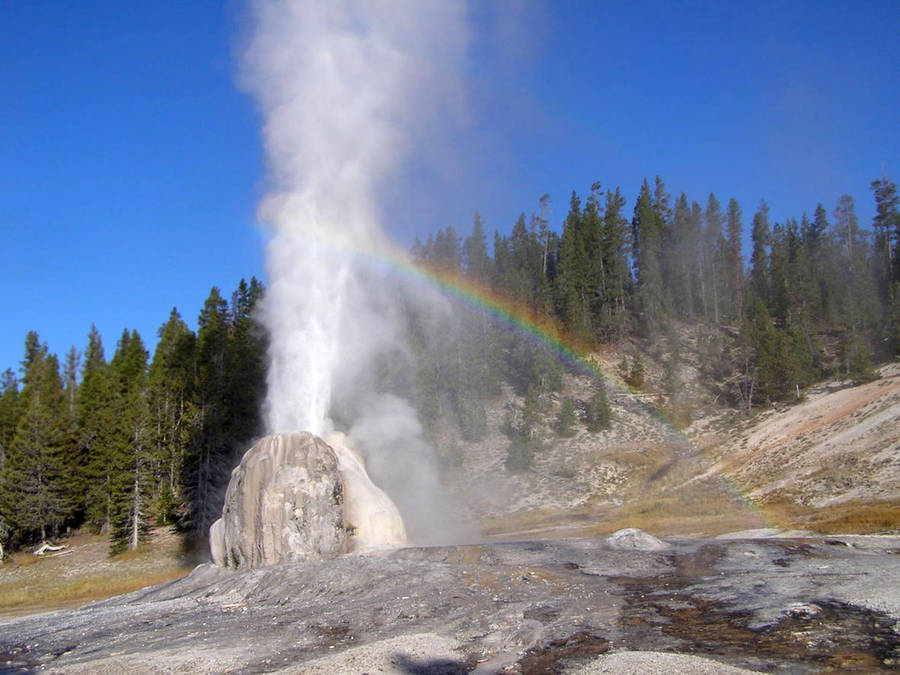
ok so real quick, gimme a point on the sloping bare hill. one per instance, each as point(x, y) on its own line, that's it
point(595, 483)
point(831, 462)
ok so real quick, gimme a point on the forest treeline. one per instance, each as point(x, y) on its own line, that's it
point(123, 443)
point(816, 296)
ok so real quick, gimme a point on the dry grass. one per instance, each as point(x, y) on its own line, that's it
point(23, 559)
point(701, 509)
point(80, 590)
point(843, 518)
point(85, 572)
point(533, 520)
point(671, 518)
point(706, 508)
point(466, 555)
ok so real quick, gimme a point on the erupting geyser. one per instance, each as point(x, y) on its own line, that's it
point(347, 89)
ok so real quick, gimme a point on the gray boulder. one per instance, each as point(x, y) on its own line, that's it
point(633, 539)
point(284, 503)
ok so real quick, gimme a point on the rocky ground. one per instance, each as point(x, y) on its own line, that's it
point(574, 605)
point(543, 592)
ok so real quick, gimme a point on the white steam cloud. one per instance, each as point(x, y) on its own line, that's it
point(348, 90)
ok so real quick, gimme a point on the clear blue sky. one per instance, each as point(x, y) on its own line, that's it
point(131, 165)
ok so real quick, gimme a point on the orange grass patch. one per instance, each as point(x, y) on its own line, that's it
point(844, 518)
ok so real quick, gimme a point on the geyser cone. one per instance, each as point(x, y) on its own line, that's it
point(372, 518)
point(294, 497)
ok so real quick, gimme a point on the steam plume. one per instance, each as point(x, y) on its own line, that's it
point(347, 90)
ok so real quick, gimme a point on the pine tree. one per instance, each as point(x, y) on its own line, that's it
point(714, 255)
point(678, 257)
point(525, 282)
point(598, 415)
point(887, 226)
point(782, 265)
point(794, 295)
point(9, 411)
point(694, 256)
point(567, 419)
point(418, 251)
point(172, 409)
point(660, 204)
point(780, 362)
point(523, 443)
point(245, 366)
point(886, 258)
point(760, 236)
point(646, 229)
point(572, 282)
point(70, 377)
point(75, 489)
point(445, 251)
point(33, 484)
point(800, 360)
point(825, 269)
point(95, 421)
point(635, 375)
point(817, 230)
point(595, 273)
point(476, 261)
point(204, 470)
point(735, 261)
point(671, 366)
point(612, 317)
point(131, 449)
point(859, 310)
point(765, 378)
point(531, 413)
point(9, 416)
point(501, 261)
point(519, 455)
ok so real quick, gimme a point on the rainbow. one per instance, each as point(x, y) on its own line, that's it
point(543, 330)
point(538, 328)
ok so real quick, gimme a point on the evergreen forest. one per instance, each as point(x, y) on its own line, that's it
point(124, 443)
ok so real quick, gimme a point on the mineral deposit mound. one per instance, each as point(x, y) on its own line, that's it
point(295, 498)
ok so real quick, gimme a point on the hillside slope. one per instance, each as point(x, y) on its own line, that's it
point(829, 463)
point(832, 461)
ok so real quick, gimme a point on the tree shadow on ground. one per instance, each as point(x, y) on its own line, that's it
point(405, 664)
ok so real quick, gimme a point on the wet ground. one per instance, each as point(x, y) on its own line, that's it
point(787, 605)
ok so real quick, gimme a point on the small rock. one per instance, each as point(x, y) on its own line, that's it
point(804, 610)
point(633, 539)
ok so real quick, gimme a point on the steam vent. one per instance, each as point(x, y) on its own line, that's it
point(295, 498)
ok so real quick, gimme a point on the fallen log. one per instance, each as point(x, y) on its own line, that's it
point(48, 547)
